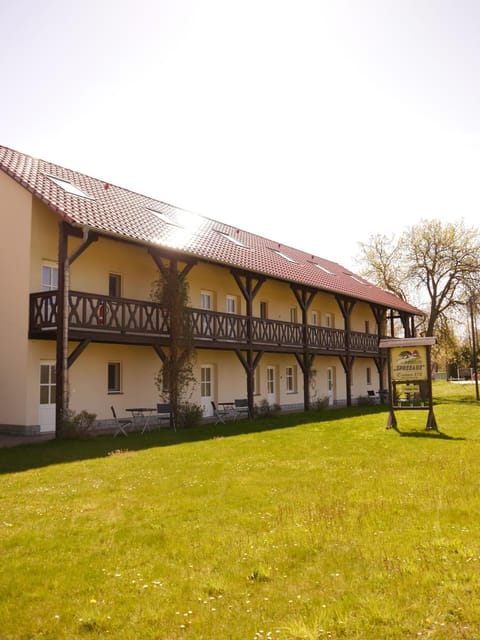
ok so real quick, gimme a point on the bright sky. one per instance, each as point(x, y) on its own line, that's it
point(316, 123)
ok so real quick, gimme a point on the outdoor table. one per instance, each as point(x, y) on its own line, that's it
point(142, 415)
point(227, 408)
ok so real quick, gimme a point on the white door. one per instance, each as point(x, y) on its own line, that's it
point(206, 389)
point(46, 412)
point(271, 394)
point(331, 385)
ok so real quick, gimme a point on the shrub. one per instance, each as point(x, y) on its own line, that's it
point(190, 415)
point(365, 401)
point(77, 425)
point(264, 409)
point(320, 403)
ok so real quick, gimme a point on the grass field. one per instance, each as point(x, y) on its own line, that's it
point(314, 526)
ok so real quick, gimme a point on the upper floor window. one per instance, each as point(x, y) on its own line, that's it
point(330, 320)
point(206, 298)
point(315, 318)
point(293, 314)
point(231, 304)
point(114, 285)
point(367, 326)
point(49, 277)
point(263, 310)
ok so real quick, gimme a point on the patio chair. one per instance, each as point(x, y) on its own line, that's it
point(218, 415)
point(121, 424)
point(164, 412)
point(241, 408)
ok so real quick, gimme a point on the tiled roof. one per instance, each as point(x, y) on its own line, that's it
point(113, 210)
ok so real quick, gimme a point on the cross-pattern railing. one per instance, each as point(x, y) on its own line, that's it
point(97, 313)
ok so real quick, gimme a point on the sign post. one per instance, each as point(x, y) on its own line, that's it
point(409, 377)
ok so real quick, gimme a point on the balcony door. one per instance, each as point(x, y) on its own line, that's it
point(206, 389)
point(46, 412)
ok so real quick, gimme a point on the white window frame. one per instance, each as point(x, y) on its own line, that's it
point(291, 379)
point(294, 315)
point(52, 284)
point(204, 296)
point(117, 278)
point(330, 320)
point(231, 303)
point(270, 381)
point(256, 381)
point(116, 367)
point(315, 318)
point(48, 384)
point(206, 381)
point(368, 373)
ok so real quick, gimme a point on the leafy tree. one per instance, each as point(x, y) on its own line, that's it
point(176, 378)
point(438, 259)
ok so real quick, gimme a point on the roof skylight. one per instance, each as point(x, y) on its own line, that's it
point(365, 284)
point(232, 239)
point(69, 187)
point(282, 255)
point(324, 269)
point(164, 218)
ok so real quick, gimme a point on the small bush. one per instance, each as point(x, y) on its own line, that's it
point(190, 415)
point(78, 425)
point(365, 401)
point(320, 403)
point(264, 410)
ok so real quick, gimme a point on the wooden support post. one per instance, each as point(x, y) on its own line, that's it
point(61, 391)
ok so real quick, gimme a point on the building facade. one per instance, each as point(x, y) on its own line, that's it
point(79, 327)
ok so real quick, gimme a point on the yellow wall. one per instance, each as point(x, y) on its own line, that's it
point(88, 379)
point(15, 217)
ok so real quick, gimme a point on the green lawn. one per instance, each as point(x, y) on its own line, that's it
point(314, 526)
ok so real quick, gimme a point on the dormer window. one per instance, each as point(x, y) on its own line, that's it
point(69, 187)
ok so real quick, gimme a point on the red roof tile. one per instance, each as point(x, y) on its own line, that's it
point(114, 210)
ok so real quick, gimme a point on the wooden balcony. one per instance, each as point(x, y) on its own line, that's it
point(120, 320)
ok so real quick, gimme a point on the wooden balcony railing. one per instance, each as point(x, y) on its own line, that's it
point(96, 314)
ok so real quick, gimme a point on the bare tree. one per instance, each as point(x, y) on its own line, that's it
point(382, 262)
point(439, 259)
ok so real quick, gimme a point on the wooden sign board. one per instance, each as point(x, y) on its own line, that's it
point(409, 376)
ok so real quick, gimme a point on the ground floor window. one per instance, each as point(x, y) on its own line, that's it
point(47, 383)
point(114, 377)
point(206, 382)
point(369, 375)
point(291, 379)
